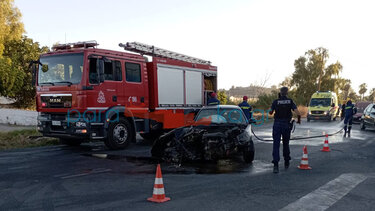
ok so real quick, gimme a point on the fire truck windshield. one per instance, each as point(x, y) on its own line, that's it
point(61, 69)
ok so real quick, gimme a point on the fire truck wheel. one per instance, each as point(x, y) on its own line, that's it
point(70, 142)
point(120, 134)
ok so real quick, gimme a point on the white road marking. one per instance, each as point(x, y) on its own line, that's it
point(328, 194)
point(93, 171)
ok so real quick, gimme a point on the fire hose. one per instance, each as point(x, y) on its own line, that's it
point(296, 138)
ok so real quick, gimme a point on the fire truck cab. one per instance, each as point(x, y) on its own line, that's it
point(84, 93)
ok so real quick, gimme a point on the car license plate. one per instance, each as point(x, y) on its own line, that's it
point(56, 123)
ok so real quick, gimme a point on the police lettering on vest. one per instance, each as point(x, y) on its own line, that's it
point(283, 108)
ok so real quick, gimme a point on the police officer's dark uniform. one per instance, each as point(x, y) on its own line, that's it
point(213, 100)
point(246, 108)
point(281, 128)
point(350, 110)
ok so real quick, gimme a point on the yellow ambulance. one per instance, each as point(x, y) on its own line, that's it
point(323, 106)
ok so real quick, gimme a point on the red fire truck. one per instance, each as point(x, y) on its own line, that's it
point(85, 93)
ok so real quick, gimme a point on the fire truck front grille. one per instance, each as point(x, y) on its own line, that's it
point(60, 117)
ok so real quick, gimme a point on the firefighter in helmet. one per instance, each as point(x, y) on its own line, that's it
point(283, 108)
point(213, 100)
point(246, 108)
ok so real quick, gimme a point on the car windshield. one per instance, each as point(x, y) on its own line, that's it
point(322, 102)
point(221, 115)
point(61, 69)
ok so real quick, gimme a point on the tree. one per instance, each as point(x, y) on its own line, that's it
point(352, 95)
point(15, 75)
point(362, 90)
point(371, 97)
point(11, 27)
point(222, 97)
point(287, 82)
point(344, 86)
point(265, 100)
point(311, 74)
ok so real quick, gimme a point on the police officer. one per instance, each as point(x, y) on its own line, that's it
point(213, 100)
point(350, 110)
point(283, 108)
point(246, 108)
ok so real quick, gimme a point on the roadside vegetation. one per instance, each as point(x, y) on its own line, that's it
point(23, 139)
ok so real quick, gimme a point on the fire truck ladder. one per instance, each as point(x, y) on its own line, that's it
point(151, 50)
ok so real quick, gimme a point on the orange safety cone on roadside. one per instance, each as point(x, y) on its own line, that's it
point(304, 161)
point(325, 146)
point(158, 193)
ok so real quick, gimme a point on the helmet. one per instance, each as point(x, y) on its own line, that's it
point(244, 98)
point(213, 94)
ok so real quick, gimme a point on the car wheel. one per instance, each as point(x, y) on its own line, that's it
point(249, 153)
point(120, 134)
point(362, 125)
point(70, 142)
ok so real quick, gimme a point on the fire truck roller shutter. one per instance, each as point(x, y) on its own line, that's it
point(170, 86)
point(193, 83)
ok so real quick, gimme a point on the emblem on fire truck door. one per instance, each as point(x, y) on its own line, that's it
point(101, 97)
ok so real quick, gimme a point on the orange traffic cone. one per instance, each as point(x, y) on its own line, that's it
point(325, 146)
point(304, 161)
point(158, 194)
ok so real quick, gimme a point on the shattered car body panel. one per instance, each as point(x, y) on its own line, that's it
point(220, 139)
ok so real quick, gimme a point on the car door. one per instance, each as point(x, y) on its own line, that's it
point(135, 88)
point(104, 94)
point(365, 115)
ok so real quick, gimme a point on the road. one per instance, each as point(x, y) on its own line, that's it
point(90, 177)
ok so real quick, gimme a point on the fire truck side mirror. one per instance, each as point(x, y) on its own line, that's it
point(100, 69)
point(33, 68)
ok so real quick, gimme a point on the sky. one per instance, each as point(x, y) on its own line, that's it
point(248, 41)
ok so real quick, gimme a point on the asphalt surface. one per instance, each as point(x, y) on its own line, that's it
point(92, 178)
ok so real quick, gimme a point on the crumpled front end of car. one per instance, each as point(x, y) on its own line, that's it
point(208, 143)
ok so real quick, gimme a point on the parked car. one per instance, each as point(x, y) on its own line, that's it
point(360, 108)
point(368, 117)
point(217, 132)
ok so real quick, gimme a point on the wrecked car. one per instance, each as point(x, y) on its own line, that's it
point(217, 132)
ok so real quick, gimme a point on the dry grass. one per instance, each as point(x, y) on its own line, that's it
point(24, 139)
point(303, 110)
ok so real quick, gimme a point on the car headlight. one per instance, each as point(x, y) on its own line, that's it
point(80, 124)
point(326, 112)
point(309, 112)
